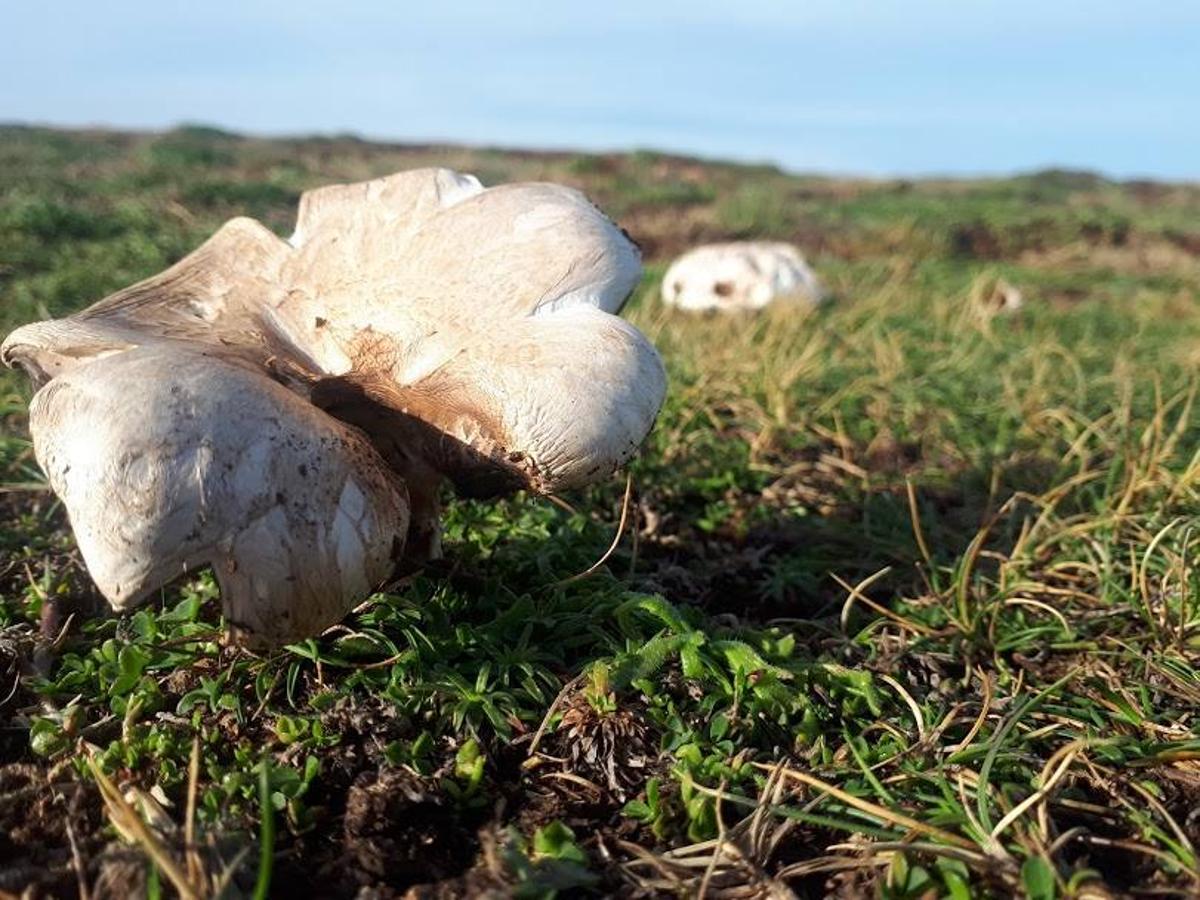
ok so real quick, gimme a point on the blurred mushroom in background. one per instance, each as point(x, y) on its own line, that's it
point(991, 295)
point(1006, 297)
point(743, 275)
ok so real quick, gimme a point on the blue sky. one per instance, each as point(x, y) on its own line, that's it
point(871, 88)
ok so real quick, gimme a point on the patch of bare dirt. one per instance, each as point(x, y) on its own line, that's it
point(664, 232)
point(42, 812)
point(1188, 241)
point(1138, 256)
point(400, 830)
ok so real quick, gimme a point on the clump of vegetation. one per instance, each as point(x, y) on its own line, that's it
point(906, 603)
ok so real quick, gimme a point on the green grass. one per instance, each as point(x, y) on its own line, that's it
point(909, 605)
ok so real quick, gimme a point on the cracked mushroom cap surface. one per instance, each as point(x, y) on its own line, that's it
point(269, 407)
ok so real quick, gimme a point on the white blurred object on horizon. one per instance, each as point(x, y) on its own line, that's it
point(743, 275)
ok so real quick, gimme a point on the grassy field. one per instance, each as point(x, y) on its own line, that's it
point(907, 603)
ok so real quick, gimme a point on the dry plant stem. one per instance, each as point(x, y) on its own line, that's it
point(616, 541)
point(915, 516)
point(194, 868)
point(77, 862)
point(866, 806)
point(984, 709)
point(855, 593)
point(130, 822)
point(1061, 762)
point(558, 700)
point(912, 704)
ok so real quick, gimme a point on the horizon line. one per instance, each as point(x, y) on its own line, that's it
point(568, 149)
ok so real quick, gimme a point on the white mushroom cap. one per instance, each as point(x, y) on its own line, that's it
point(413, 327)
point(743, 275)
point(169, 459)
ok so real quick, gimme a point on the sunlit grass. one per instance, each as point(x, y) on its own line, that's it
point(908, 602)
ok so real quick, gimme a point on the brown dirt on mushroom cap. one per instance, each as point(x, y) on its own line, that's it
point(412, 427)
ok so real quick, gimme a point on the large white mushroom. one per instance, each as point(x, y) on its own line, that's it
point(743, 275)
point(285, 411)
